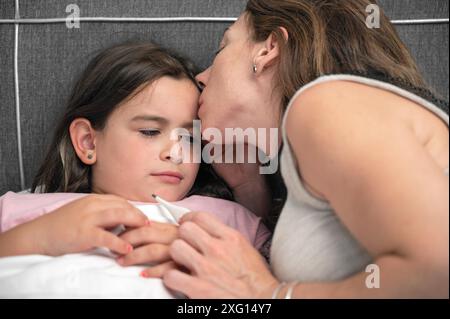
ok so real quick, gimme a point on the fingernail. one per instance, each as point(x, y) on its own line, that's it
point(144, 274)
point(120, 261)
point(129, 249)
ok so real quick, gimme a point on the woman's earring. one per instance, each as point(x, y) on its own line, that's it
point(90, 155)
point(255, 68)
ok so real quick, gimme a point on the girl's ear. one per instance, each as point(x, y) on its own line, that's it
point(83, 140)
point(270, 51)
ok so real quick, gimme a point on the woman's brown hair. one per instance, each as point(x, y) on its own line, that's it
point(330, 37)
point(113, 76)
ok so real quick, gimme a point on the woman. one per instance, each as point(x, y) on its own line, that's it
point(365, 160)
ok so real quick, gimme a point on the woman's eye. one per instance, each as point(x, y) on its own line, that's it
point(150, 133)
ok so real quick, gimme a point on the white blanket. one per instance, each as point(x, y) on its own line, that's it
point(94, 274)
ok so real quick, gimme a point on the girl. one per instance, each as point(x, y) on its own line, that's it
point(114, 141)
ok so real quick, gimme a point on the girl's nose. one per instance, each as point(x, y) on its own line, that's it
point(202, 78)
point(172, 152)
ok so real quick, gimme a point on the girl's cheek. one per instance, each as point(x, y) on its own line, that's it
point(192, 170)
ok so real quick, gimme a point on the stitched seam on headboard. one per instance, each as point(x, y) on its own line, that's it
point(184, 19)
point(17, 97)
point(420, 21)
point(122, 19)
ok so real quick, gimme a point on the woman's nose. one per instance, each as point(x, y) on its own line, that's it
point(202, 78)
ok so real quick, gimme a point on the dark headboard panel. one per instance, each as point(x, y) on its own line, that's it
point(49, 56)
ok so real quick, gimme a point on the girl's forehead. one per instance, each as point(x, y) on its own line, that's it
point(172, 98)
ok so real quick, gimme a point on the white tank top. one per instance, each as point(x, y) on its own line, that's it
point(310, 244)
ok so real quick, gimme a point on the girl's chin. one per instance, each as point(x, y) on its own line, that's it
point(164, 194)
point(145, 197)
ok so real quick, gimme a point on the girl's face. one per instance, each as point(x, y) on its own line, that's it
point(234, 96)
point(133, 151)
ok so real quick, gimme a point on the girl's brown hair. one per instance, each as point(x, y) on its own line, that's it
point(114, 75)
point(329, 37)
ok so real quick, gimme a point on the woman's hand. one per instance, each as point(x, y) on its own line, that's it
point(221, 262)
point(81, 225)
point(151, 245)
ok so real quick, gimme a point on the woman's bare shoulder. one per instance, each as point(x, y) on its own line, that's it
point(365, 110)
point(349, 96)
point(337, 128)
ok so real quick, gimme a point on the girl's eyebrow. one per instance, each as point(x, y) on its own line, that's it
point(161, 120)
point(153, 118)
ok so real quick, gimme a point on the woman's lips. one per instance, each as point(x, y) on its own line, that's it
point(200, 104)
point(169, 177)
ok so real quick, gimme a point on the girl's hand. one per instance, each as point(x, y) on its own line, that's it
point(221, 262)
point(151, 245)
point(81, 225)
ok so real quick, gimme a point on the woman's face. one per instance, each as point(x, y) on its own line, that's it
point(133, 151)
point(234, 96)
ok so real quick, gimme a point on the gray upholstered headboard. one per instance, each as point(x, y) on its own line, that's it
point(40, 56)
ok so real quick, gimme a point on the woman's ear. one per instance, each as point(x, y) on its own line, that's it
point(83, 140)
point(267, 55)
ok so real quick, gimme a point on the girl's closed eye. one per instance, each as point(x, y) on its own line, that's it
point(150, 133)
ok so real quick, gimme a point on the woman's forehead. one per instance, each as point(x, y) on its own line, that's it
point(239, 28)
point(240, 24)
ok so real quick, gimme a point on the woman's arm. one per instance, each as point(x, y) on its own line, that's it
point(381, 182)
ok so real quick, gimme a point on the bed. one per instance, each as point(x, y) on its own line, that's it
point(40, 56)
